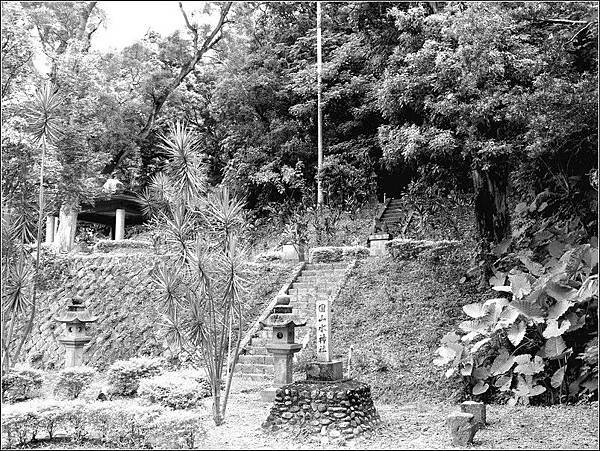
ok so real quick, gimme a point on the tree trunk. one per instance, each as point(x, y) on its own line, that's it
point(491, 213)
point(67, 226)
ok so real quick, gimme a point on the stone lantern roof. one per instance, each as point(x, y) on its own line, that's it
point(75, 313)
point(282, 315)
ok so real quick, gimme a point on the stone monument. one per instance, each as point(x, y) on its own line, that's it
point(75, 318)
point(325, 404)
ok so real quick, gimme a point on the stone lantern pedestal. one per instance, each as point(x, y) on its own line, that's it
point(75, 338)
point(282, 344)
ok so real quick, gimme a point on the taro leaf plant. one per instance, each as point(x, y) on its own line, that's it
point(541, 338)
point(21, 291)
point(201, 288)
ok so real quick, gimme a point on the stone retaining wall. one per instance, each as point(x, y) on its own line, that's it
point(117, 287)
point(330, 409)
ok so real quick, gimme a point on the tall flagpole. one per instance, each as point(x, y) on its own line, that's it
point(319, 114)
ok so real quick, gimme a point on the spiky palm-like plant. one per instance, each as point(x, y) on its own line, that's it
point(201, 293)
point(45, 131)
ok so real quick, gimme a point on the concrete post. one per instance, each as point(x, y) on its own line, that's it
point(119, 224)
point(50, 227)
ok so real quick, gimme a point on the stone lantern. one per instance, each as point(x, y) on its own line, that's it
point(282, 343)
point(74, 339)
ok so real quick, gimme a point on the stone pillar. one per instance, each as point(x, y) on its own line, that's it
point(50, 228)
point(477, 409)
point(119, 224)
point(377, 243)
point(462, 428)
point(282, 365)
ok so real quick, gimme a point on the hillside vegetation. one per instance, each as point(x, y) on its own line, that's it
point(393, 314)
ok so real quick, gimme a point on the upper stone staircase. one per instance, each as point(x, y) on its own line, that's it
point(314, 281)
point(391, 216)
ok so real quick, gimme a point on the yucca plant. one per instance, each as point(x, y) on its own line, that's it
point(44, 129)
point(201, 292)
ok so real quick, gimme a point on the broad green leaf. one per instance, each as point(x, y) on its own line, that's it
point(534, 268)
point(498, 279)
point(519, 285)
point(577, 322)
point(516, 332)
point(450, 372)
point(588, 289)
point(552, 329)
point(512, 402)
point(450, 337)
point(503, 289)
point(504, 383)
point(558, 309)
point(480, 388)
point(522, 389)
point(467, 369)
point(479, 344)
point(508, 316)
point(502, 363)
point(520, 208)
point(477, 325)
point(481, 373)
point(590, 257)
point(529, 309)
point(560, 292)
point(501, 248)
point(591, 384)
point(476, 310)
point(558, 376)
point(522, 358)
point(537, 390)
point(471, 335)
point(556, 248)
point(554, 346)
point(530, 368)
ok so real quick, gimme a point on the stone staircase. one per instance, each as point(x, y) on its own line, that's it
point(314, 281)
point(392, 214)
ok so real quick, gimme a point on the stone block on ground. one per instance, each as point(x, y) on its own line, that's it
point(462, 428)
point(477, 409)
point(325, 371)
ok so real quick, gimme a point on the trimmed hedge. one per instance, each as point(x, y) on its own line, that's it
point(20, 384)
point(402, 249)
point(174, 390)
point(331, 254)
point(72, 381)
point(114, 423)
point(124, 375)
point(112, 245)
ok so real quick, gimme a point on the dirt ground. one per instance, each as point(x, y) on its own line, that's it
point(418, 425)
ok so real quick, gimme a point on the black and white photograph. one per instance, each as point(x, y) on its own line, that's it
point(299, 225)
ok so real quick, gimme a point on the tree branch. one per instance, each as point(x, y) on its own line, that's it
point(159, 99)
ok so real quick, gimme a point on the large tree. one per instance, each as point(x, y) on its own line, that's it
point(455, 91)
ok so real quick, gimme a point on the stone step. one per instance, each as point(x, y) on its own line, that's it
point(254, 368)
point(322, 266)
point(319, 286)
point(393, 214)
point(256, 359)
point(322, 273)
point(256, 377)
point(319, 278)
point(313, 291)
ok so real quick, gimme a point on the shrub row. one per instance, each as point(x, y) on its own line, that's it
point(174, 390)
point(335, 254)
point(124, 375)
point(20, 384)
point(111, 245)
point(114, 423)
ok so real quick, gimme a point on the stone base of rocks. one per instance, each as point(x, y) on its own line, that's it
point(337, 410)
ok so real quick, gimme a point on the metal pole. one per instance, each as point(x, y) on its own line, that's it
point(319, 114)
